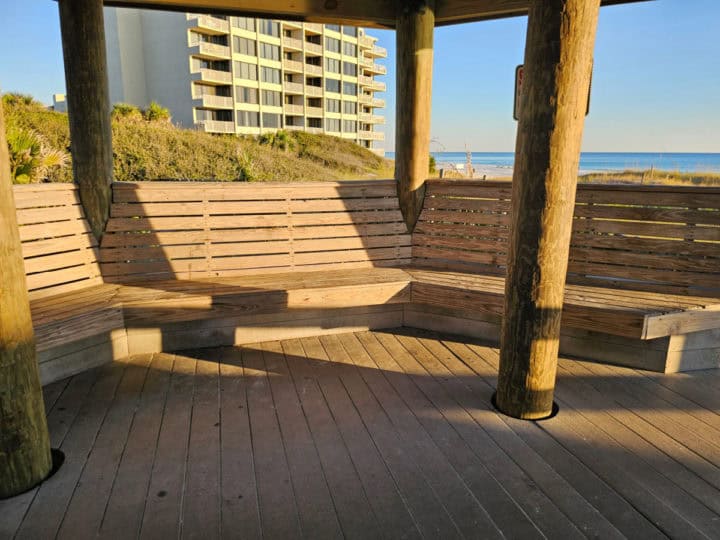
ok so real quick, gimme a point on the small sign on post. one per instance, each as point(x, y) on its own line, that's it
point(518, 91)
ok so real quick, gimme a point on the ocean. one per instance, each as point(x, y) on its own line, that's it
point(501, 163)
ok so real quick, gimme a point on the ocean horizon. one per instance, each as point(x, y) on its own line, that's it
point(501, 163)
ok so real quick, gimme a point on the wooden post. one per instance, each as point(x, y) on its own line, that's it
point(414, 31)
point(558, 62)
point(24, 442)
point(88, 96)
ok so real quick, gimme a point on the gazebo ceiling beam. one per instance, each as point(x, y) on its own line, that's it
point(368, 13)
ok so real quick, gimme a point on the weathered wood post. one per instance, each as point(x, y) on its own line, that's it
point(88, 96)
point(558, 62)
point(24, 442)
point(414, 31)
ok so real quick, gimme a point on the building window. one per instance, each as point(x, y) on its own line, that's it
point(332, 85)
point(349, 107)
point(351, 31)
point(269, 75)
point(350, 69)
point(269, 28)
point(334, 27)
point(314, 122)
point(248, 118)
point(271, 52)
point(203, 115)
point(244, 46)
point(332, 105)
point(332, 44)
point(243, 70)
point(271, 98)
point(271, 120)
point(314, 102)
point(349, 126)
point(349, 49)
point(349, 89)
point(332, 124)
point(246, 23)
point(243, 94)
point(332, 65)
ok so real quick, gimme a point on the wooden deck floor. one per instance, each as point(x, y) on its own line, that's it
point(370, 435)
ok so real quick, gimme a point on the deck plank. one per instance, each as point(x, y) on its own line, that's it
point(47, 511)
point(123, 514)
point(162, 513)
point(278, 510)
point(384, 434)
point(87, 506)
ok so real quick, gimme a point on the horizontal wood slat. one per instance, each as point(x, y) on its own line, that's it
point(164, 230)
point(660, 238)
point(59, 250)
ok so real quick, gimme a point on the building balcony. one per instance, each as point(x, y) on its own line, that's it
point(366, 42)
point(292, 65)
point(364, 80)
point(378, 86)
point(208, 24)
point(292, 43)
point(313, 48)
point(314, 130)
point(215, 126)
point(314, 91)
point(371, 118)
point(293, 87)
point(311, 69)
point(377, 102)
point(209, 101)
point(377, 69)
point(212, 76)
point(314, 28)
point(292, 24)
point(211, 51)
point(371, 135)
point(314, 111)
point(378, 52)
point(292, 127)
point(365, 62)
point(291, 108)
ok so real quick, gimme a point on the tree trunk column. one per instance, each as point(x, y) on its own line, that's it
point(414, 31)
point(88, 97)
point(558, 62)
point(24, 442)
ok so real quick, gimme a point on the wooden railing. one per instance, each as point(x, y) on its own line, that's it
point(162, 230)
point(658, 238)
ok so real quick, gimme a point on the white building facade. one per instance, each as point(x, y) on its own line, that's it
point(246, 75)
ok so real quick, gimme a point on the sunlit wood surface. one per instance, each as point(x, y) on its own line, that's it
point(370, 435)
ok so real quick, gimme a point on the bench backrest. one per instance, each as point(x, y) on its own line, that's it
point(59, 249)
point(182, 230)
point(655, 238)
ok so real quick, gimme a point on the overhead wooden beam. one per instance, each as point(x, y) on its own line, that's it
point(414, 36)
point(24, 441)
point(558, 62)
point(88, 96)
point(369, 13)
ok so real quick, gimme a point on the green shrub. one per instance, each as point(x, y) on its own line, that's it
point(31, 158)
point(156, 113)
point(125, 111)
point(432, 164)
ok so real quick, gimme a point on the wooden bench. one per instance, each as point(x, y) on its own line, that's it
point(77, 322)
point(643, 279)
point(222, 264)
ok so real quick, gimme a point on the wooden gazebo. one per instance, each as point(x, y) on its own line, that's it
point(558, 63)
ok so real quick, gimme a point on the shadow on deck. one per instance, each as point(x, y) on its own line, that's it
point(369, 435)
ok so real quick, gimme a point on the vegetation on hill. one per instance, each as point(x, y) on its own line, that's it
point(652, 177)
point(147, 146)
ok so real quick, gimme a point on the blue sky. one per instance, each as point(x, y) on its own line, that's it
point(656, 82)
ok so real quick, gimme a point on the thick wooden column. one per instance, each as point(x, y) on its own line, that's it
point(24, 443)
point(415, 25)
point(558, 62)
point(88, 96)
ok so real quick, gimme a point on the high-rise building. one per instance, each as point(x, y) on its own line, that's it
point(247, 75)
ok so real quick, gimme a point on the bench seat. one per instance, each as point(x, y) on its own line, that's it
point(78, 330)
point(178, 314)
point(656, 331)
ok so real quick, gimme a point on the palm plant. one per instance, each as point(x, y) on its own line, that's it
point(30, 156)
